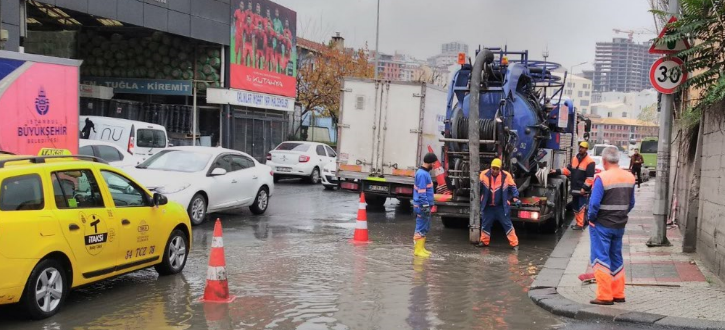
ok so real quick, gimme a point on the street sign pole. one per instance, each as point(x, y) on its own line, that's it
point(659, 235)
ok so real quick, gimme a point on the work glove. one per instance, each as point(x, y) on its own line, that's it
point(425, 210)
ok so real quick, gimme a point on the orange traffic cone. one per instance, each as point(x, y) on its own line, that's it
point(217, 288)
point(361, 228)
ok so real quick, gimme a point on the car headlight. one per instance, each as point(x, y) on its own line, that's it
point(173, 188)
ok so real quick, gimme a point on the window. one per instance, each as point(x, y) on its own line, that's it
point(330, 152)
point(584, 110)
point(294, 146)
point(624, 115)
point(239, 162)
point(224, 162)
point(321, 151)
point(76, 189)
point(109, 154)
point(584, 103)
point(86, 151)
point(22, 193)
point(609, 114)
point(580, 94)
point(124, 192)
point(587, 93)
point(151, 138)
point(177, 160)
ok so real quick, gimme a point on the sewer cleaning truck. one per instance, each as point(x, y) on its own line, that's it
point(523, 119)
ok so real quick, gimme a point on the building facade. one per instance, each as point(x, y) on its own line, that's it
point(622, 65)
point(619, 132)
point(624, 105)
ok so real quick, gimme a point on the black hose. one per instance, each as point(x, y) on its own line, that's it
point(486, 128)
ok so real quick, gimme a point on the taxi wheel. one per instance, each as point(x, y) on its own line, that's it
point(175, 254)
point(45, 290)
point(197, 209)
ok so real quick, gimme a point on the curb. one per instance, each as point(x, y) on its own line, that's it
point(543, 293)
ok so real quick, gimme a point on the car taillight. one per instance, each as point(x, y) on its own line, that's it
point(403, 190)
point(269, 156)
point(271, 173)
point(304, 159)
point(130, 145)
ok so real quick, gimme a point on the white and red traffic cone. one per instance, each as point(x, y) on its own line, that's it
point(217, 287)
point(444, 194)
point(361, 225)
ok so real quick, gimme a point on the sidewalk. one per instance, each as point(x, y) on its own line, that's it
point(664, 285)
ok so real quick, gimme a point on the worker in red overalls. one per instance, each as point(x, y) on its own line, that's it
point(581, 175)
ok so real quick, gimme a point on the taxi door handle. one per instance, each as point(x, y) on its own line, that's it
point(234, 181)
point(255, 177)
point(125, 222)
point(73, 227)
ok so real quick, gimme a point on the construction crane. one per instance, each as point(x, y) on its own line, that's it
point(630, 33)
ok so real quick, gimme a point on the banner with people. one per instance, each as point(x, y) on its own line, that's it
point(263, 48)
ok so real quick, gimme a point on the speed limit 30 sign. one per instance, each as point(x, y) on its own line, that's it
point(667, 74)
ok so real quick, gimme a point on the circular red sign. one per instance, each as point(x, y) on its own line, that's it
point(667, 74)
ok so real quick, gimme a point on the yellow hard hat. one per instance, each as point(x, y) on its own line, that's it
point(584, 144)
point(496, 163)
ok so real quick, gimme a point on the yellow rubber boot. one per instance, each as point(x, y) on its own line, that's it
point(423, 247)
point(418, 249)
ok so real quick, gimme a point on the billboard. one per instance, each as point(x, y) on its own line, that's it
point(39, 106)
point(263, 48)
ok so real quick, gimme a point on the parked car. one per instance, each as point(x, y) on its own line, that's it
point(300, 159)
point(67, 223)
point(138, 138)
point(107, 151)
point(207, 180)
point(329, 176)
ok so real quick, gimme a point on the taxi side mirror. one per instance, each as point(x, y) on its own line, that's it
point(160, 199)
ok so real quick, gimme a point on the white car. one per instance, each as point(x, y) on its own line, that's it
point(109, 152)
point(300, 159)
point(329, 176)
point(207, 180)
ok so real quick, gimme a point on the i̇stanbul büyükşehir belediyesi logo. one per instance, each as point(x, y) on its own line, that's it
point(42, 103)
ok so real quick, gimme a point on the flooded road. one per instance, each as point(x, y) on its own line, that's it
point(295, 268)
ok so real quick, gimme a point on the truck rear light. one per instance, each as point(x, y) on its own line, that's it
point(269, 156)
point(529, 215)
point(403, 191)
point(349, 186)
point(304, 159)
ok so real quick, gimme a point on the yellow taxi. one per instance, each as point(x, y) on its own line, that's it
point(67, 221)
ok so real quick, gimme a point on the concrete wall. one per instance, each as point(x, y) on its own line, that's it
point(711, 222)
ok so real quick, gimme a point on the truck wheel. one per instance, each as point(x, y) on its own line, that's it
point(375, 201)
point(552, 225)
point(454, 222)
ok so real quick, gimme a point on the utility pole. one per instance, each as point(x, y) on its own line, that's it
point(661, 207)
point(377, 41)
point(474, 219)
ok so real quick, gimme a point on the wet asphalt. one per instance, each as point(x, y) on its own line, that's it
point(296, 268)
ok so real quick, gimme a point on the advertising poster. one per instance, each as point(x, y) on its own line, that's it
point(39, 107)
point(263, 48)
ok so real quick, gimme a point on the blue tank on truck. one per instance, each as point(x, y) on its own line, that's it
point(525, 121)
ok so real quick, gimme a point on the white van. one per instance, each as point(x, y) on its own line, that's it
point(598, 148)
point(140, 139)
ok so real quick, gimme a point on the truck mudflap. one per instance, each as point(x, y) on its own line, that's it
point(526, 213)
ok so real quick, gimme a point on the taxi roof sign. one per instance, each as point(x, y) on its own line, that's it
point(674, 47)
point(54, 152)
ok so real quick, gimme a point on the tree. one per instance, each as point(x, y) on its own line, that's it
point(649, 114)
point(320, 78)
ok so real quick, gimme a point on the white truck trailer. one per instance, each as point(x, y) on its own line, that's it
point(385, 129)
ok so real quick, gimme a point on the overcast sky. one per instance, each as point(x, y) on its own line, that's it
point(570, 28)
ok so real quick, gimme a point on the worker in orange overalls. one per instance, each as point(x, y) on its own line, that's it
point(611, 200)
point(497, 188)
point(581, 174)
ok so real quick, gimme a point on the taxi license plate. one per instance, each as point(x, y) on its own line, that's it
point(378, 188)
point(284, 169)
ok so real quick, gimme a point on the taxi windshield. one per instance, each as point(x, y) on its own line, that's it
point(177, 160)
